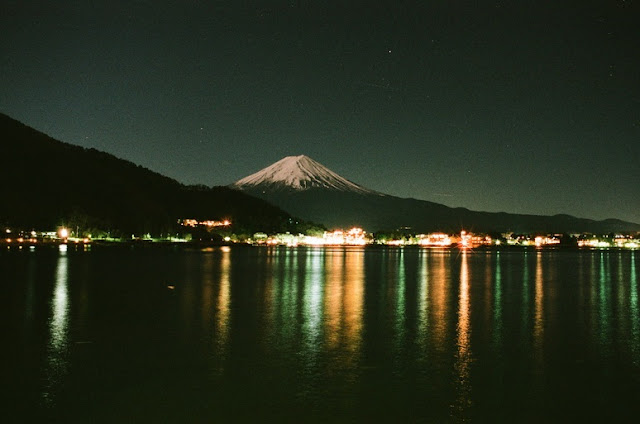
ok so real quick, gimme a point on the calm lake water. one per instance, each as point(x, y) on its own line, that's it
point(248, 334)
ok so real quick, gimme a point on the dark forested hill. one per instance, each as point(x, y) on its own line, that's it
point(46, 183)
point(375, 212)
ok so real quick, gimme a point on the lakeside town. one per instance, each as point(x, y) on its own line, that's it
point(220, 232)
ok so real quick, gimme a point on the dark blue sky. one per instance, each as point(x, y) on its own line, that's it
point(492, 106)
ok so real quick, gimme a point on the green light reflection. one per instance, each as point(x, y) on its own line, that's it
point(525, 302)
point(633, 305)
point(289, 293)
point(401, 310)
point(497, 303)
point(622, 295)
point(312, 301)
point(603, 301)
point(423, 300)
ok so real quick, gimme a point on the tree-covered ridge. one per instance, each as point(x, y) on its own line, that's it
point(46, 183)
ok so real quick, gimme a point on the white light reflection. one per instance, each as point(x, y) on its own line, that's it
point(401, 308)
point(622, 295)
point(635, 316)
point(463, 357)
point(604, 288)
point(58, 329)
point(289, 291)
point(314, 282)
point(423, 301)
point(525, 300)
point(283, 265)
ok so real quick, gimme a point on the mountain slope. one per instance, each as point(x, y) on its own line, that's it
point(46, 183)
point(339, 207)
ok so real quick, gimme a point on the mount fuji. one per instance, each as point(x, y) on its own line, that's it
point(298, 173)
point(311, 191)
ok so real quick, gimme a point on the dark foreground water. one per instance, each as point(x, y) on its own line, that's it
point(332, 335)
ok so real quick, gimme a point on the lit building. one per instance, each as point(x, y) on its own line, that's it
point(434, 240)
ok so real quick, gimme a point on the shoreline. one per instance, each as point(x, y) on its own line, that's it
point(197, 245)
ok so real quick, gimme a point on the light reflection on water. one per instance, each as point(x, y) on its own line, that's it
point(344, 298)
point(463, 356)
point(353, 301)
point(399, 292)
point(423, 301)
point(58, 329)
point(538, 325)
point(604, 289)
point(426, 329)
point(497, 303)
point(30, 293)
point(634, 315)
point(440, 300)
point(223, 315)
point(524, 306)
point(621, 288)
point(334, 299)
point(312, 306)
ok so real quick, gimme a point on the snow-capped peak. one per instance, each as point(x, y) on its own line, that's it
point(299, 173)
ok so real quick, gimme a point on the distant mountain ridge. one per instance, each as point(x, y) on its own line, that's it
point(46, 183)
point(308, 189)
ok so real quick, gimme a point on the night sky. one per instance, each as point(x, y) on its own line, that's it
point(492, 106)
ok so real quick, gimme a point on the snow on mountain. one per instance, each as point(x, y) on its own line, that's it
point(298, 173)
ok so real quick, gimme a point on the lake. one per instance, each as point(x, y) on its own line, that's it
point(253, 334)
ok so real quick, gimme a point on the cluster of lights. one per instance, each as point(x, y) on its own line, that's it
point(546, 241)
point(537, 241)
point(440, 240)
point(465, 239)
point(435, 240)
point(61, 235)
point(208, 223)
point(358, 237)
point(619, 242)
point(353, 237)
point(30, 238)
